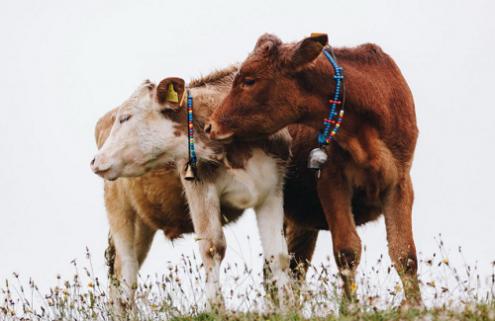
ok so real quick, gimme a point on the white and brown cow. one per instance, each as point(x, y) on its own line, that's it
point(149, 132)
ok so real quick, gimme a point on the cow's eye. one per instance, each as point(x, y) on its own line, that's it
point(248, 81)
point(124, 118)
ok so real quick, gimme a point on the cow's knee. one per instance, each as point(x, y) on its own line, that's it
point(408, 264)
point(213, 249)
point(347, 251)
point(347, 258)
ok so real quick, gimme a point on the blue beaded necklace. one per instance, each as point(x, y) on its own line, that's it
point(191, 164)
point(331, 125)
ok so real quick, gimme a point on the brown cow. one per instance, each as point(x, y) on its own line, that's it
point(290, 83)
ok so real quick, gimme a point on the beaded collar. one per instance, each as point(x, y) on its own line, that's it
point(331, 125)
point(190, 171)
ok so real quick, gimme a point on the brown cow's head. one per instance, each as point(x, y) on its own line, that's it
point(266, 95)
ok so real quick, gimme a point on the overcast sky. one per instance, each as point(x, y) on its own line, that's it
point(63, 64)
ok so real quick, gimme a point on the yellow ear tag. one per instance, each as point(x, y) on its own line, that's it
point(172, 95)
point(316, 34)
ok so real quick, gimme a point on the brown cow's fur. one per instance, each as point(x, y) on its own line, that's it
point(368, 168)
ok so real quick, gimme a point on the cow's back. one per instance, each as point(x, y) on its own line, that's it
point(376, 89)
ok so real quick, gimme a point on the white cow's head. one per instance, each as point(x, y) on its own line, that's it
point(149, 130)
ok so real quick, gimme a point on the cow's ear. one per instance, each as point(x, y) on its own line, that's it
point(103, 127)
point(308, 49)
point(171, 92)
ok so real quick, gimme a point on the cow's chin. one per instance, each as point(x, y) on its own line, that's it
point(110, 174)
point(250, 136)
point(112, 178)
point(257, 133)
point(224, 139)
point(113, 173)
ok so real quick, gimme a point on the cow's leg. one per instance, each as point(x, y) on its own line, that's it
point(121, 218)
point(301, 243)
point(398, 219)
point(128, 244)
point(335, 197)
point(204, 206)
point(126, 262)
point(270, 219)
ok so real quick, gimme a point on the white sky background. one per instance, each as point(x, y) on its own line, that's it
point(63, 64)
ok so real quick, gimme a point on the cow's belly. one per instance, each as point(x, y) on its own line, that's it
point(248, 187)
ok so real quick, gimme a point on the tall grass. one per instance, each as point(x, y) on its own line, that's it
point(450, 293)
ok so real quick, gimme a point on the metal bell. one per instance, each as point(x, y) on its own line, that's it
point(189, 174)
point(317, 157)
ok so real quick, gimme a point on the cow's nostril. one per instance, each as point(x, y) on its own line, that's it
point(93, 161)
point(208, 128)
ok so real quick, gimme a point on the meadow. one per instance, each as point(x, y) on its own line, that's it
point(450, 293)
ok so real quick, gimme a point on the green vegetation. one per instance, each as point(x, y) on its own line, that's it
point(480, 312)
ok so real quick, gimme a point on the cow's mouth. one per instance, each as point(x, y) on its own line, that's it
point(108, 174)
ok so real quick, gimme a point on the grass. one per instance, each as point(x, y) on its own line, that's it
point(450, 293)
point(482, 312)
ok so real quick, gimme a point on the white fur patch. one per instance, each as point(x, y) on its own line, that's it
point(248, 187)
